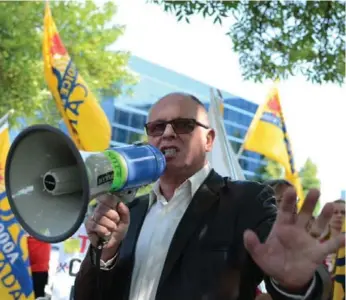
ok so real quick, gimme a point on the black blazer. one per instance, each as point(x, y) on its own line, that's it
point(206, 259)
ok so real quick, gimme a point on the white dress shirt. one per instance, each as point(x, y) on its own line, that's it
point(156, 235)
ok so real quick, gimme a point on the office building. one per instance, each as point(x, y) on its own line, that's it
point(128, 114)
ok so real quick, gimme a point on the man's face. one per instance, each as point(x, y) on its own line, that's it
point(183, 142)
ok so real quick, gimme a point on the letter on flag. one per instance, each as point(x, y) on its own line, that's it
point(268, 135)
point(86, 121)
point(15, 274)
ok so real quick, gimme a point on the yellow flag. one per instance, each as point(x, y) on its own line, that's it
point(86, 121)
point(268, 135)
point(15, 274)
point(339, 273)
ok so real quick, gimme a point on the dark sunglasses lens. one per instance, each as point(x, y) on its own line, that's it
point(182, 126)
point(155, 128)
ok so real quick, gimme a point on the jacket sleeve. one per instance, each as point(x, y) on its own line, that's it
point(90, 280)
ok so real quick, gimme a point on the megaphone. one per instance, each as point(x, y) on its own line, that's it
point(49, 182)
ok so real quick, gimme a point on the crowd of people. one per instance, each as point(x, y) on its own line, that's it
point(199, 236)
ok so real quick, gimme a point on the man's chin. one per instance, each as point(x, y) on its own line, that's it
point(173, 164)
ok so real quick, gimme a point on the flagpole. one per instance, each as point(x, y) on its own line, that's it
point(4, 119)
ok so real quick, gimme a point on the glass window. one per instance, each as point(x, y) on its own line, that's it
point(119, 135)
point(133, 137)
point(235, 146)
point(244, 164)
point(235, 131)
point(137, 121)
point(244, 120)
point(121, 117)
point(252, 155)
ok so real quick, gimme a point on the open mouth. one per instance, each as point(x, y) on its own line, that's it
point(169, 152)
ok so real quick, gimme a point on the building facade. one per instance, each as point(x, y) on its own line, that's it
point(128, 114)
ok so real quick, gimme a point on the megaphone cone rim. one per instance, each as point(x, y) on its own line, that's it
point(84, 181)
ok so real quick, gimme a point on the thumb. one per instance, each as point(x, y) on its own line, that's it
point(251, 242)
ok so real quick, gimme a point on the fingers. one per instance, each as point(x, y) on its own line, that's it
point(333, 244)
point(103, 213)
point(124, 213)
point(108, 216)
point(321, 223)
point(287, 208)
point(251, 242)
point(308, 207)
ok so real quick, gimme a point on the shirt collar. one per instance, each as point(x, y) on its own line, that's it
point(194, 182)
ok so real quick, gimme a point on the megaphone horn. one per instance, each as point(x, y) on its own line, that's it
point(49, 182)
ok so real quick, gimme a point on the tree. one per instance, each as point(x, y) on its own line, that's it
point(308, 176)
point(85, 30)
point(270, 170)
point(277, 39)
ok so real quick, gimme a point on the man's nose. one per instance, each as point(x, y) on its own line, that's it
point(169, 132)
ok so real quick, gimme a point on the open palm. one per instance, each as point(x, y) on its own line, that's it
point(290, 255)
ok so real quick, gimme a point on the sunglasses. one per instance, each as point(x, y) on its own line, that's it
point(180, 126)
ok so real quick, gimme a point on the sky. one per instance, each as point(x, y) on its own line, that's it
point(315, 114)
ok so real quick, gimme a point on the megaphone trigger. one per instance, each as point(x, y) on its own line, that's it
point(49, 182)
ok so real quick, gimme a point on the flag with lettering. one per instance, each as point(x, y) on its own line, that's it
point(339, 273)
point(71, 254)
point(15, 274)
point(268, 135)
point(87, 123)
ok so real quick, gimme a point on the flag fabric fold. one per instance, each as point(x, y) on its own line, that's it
point(87, 123)
point(222, 158)
point(268, 136)
point(15, 274)
point(339, 273)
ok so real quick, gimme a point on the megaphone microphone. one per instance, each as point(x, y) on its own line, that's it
point(49, 182)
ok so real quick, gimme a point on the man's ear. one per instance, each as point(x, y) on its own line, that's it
point(210, 140)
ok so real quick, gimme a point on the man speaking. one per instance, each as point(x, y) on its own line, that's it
point(199, 236)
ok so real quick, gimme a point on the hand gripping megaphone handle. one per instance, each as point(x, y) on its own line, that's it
point(126, 196)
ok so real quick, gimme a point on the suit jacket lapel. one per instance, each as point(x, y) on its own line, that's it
point(201, 203)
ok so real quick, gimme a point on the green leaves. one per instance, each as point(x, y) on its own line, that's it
point(278, 39)
point(308, 176)
point(271, 170)
point(86, 32)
